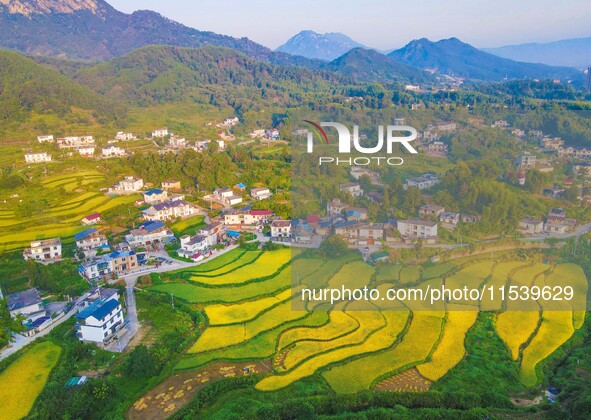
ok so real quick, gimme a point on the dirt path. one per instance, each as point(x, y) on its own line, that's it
point(177, 390)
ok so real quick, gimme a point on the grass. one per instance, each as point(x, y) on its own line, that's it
point(415, 346)
point(450, 349)
point(188, 226)
point(410, 274)
point(22, 382)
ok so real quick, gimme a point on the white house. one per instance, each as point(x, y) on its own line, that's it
point(128, 185)
point(161, 132)
point(99, 322)
point(90, 239)
point(422, 182)
point(45, 139)
point(281, 228)
point(260, 193)
point(44, 250)
point(124, 136)
point(86, 151)
point(417, 229)
point(37, 157)
point(170, 209)
point(177, 142)
point(74, 141)
point(105, 265)
point(352, 188)
point(91, 219)
point(149, 233)
point(26, 303)
point(113, 151)
point(226, 196)
point(155, 195)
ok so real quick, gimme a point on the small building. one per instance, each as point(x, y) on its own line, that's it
point(281, 228)
point(422, 182)
point(90, 239)
point(92, 219)
point(526, 161)
point(352, 188)
point(86, 151)
point(45, 139)
point(161, 132)
point(431, 210)
point(171, 185)
point(260, 193)
point(449, 218)
point(257, 217)
point(554, 192)
point(124, 136)
point(44, 250)
point(177, 142)
point(99, 322)
point(115, 263)
point(155, 195)
point(27, 304)
point(335, 207)
point(240, 186)
point(42, 157)
point(531, 226)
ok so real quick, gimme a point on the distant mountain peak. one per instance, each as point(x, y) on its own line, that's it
point(42, 7)
point(310, 44)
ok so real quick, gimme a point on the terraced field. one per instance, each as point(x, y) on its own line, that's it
point(64, 212)
point(22, 382)
point(249, 304)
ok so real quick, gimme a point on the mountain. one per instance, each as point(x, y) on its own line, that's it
point(213, 75)
point(456, 58)
point(326, 47)
point(369, 65)
point(29, 87)
point(568, 52)
point(93, 30)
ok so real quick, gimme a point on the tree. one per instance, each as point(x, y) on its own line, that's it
point(140, 363)
point(334, 246)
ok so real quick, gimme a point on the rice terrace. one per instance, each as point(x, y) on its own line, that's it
point(354, 348)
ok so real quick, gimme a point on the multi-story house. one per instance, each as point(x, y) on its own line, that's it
point(106, 265)
point(99, 322)
point(335, 207)
point(281, 228)
point(27, 303)
point(155, 195)
point(161, 132)
point(417, 229)
point(112, 151)
point(352, 188)
point(531, 226)
point(148, 233)
point(177, 142)
point(87, 151)
point(90, 239)
point(260, 193)
point(37, 157)
point(44, 250)
point(171, 185)
point(526, 161)
point(431, 210)
point(170, 209)
point(129, 185)
point(124, 136)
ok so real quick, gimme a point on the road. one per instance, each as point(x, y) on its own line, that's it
point(579, 231)
point(22, 341)
point(133, 324)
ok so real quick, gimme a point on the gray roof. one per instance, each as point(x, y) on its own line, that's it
point(23, 299)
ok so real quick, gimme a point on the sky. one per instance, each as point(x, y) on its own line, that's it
point(382, 24)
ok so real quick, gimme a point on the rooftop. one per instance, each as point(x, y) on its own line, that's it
point(23, 299)
point(99, 309)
